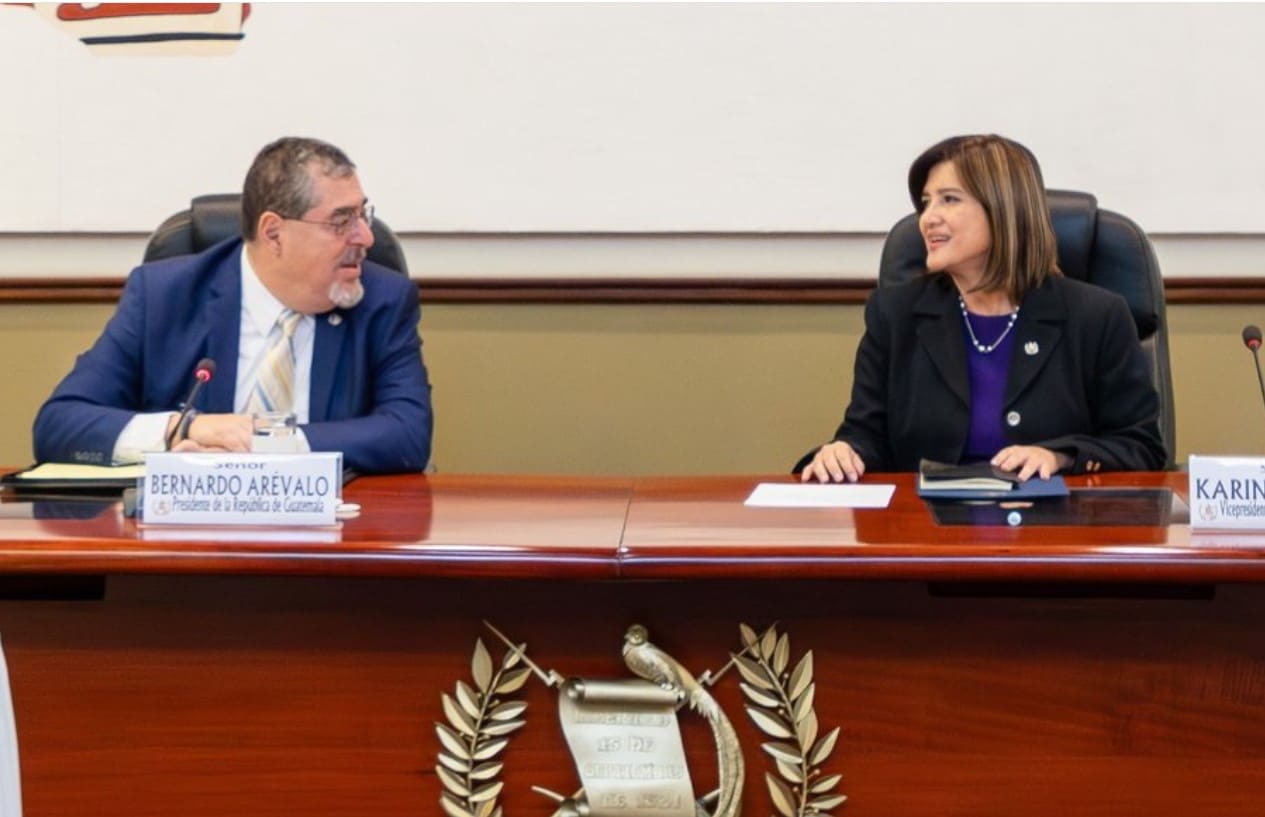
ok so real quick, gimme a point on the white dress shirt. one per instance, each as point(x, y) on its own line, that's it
point(260, 310)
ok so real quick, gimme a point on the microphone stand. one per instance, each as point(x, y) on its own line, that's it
point(203, 373)
point(1256, 357)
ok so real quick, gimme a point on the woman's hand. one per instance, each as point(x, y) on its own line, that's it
point(1031, 459)
point(834, 462)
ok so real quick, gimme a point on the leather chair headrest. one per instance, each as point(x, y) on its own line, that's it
point(215, 217)
point(1075, 217)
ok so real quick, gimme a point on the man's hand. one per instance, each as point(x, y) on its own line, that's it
point(218, 432)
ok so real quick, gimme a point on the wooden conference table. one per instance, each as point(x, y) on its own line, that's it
point(1099, 659)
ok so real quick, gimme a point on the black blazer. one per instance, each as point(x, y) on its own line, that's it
point(1078, 382)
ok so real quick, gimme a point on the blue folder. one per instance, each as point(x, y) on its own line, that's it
point(1035, 488)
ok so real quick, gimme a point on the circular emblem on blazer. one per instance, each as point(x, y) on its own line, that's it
point(335, 319)
point(1013, 418)
point(1031, 348)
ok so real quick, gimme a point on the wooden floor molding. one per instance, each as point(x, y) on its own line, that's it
point(627, 290)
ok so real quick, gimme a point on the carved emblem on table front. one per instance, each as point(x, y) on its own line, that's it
point(624, 737)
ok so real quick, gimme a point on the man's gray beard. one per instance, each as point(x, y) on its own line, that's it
point(346, 294)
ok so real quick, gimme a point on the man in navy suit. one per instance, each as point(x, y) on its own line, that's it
point(359, 384)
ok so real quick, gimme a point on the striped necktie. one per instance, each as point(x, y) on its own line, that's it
point(274, 379)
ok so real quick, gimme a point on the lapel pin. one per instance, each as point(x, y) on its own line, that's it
point(1031, 348)
point(335, 319)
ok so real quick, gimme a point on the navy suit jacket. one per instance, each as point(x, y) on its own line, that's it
point(370, 396)
point(1077, 383)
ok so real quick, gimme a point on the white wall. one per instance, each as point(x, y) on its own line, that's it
point(580, 118)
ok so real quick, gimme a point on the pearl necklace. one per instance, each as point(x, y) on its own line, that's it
point(970, 330)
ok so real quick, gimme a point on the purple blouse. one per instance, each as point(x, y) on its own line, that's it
point(987, 435)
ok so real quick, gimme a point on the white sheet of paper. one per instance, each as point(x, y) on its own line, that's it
point(816, 495)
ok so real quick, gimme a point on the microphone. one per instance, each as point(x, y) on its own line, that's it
point(202, 373)
point(1252, 340)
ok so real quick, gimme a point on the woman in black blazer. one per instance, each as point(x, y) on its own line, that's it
point(993, 355)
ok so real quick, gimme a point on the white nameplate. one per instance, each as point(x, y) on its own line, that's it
point(242, 489)
point(1227, 493)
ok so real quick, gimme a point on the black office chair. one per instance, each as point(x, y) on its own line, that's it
point(1097, 246)
point(212, 218)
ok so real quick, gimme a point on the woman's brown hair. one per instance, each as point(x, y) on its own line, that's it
point(1006, 179)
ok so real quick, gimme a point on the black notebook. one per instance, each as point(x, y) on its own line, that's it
point(976, 476)
point(981, 481)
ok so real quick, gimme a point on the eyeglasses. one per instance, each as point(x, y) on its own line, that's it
point(343, 221)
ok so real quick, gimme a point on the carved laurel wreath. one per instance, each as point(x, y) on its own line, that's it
point(782, 707)
point(480, 723)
